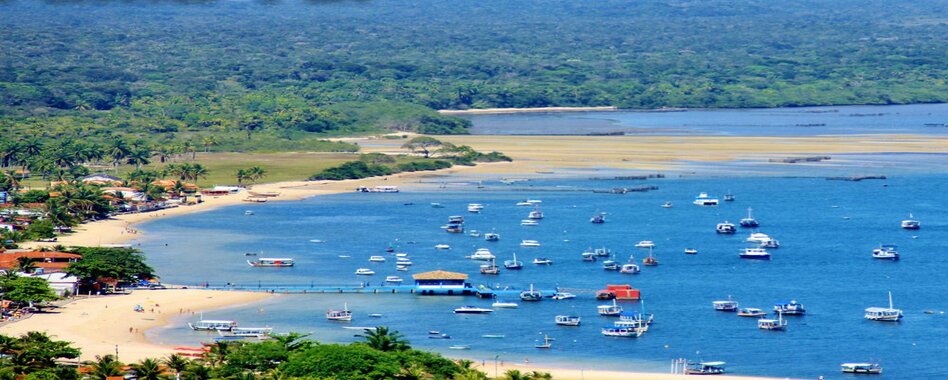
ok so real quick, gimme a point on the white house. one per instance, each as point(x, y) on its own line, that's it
point(60, 282)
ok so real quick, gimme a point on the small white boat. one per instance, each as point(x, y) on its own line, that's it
point(344, 256)
point(403, 261)
point(246, 332)
point(691, 251)
point(534, 201)
point(377, 259)
point(758, 237)
point(213, 325)
point(645, 244)
point(630, 269)
point(248, 212)
point(482, 254)
point(790, 308)
point(340, 315)
point(472, 310)
point(491, 236)
point(375, 315)
point(610, 265)
point(770, 243)
point(563, 296)
point(394, 280)
point(535, 214)
point(364, 272)
point(624, 332)
point(729, 305)
point(588, 256)
point(883, 314)
point(494, 336)
point(726, 228)
point(529, 223)
point(547, 343)
point(667, 205)
point(751, 312)
point(609, 310)
point(755, 254)
point(524, 203)
point(436, 205)
point(401, 268)
point(864, 368)
point(529, 243)
point(442, 246)
point(886, 252)
point(316, 241)
point(474, 233)
point(911, 223)
point(749, 221)
point(567, 320)
point(460, 347)
point(542, 261)
point(504, 305)
point(401, 255)
point(704, 200)
point(475, 207)
point(271, 262)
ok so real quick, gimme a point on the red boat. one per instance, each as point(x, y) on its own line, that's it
point(619, 292)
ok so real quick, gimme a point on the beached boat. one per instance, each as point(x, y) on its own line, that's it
point(491, 236)
point(340, 315)
point(490, 268)
point(862, 368)
point(482, 254)
point(547, 343)
point(884, 314)
point(704, 200)
point(442, 246)
point(271, 262)
point(886, 252)
point(529, 243)
point(475, 207)
point(513, 264)
point(567, 320)
point(789, 308)
point(726, 228)
point(755, 254)
point(645, 244)
point(609, 310)
point(529, 223)
point(667, 205)
point(472, 310)
point(599, 218)
point(542, 261)
point(911, 223)
point(213, 325)
point(630, 268)
point(394, 280)
point(238, 333)
point(729, 305)
point(535, 214)
point(705, 368)
point(377, 259)
point(749, 221)
point(504, 305)
point(364, 272)
point(377, 189)
point(531, 295)
point(772, 324)
point(751, 312)
point(563, 296)
point(691, 251)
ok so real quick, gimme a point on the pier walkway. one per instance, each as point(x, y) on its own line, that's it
point(365, 288)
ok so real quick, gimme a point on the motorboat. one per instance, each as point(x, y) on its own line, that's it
point(567, 320)
point(705, 368)
point(725, 228)
point(460, 347)
point(542, 261)
point(691, 251)
point(475, 207)
point(454, 228)
point(609, 310)
point(482, 254)
point(645, 244)
point(778, 324)
point(377, 259)
point(474, 233)
point(790, 308)
point(729, 197)
point(599, 218)
point(630, 269)
point(864, 368)
point(364, 272)
point(529, 243)
point(529, 223)
point(403, 261)
point(491, 236)
point(911, 223)
point(213, 325)
point(531, 295)
point(271, 262)
point(344, 315)
point(393, 280)
point(610, 265)
point(563, 296)
point(238, 333)
point(401, 255)
point(749, 221)
point(513, 264)
point(455, 219)
point(589, 256)
point(442, 246)
point(524, 203)
point(769, 243)
point(436, 205)
point(547, 343)
point(624, 332)
point(494, 336)
point(248, 212)
point(535, 214)
point(729, 305)
point(751, 312)
point(472, 310)
point(886, 252)
point(755, 254)
point(667, 205)
point(491, 268)
point(504, 305)
point(401, 268)
point(883, 314)
point(602, 252)
point(704, 200)
point(534, 201)
point(758, 237)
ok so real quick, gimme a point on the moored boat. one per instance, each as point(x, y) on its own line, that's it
point(542, 261)
point(758, 237)
point(213, 325)
point(490, 268)
point(725, 228)
point(472, 310)
point(911, 223)
point(630, 268)
point(491, 236)
point(755, 254)
point(442, 246)
point(667, 205)
point(863, 368)
point(535, 214)
point(340, 315)
point(691, 251)
point(394, 280)
point(475, 207)
point(513, 264)
point(884, 314)
point(271, 262)
point(482, 254)
point(778, 324)
point(729, 305)
point(609, 310)
point(504, 305)
point(246, 333)
point(567, 320)
point(623, 332)
point(751, 312)
point(703, 199)
point(563, 296)
point(588, 256)
point(364, 272)
point(531, 295)
point(547, 343)
point(377, 259)
point(749, 221)
point(529, 223)
point(705, 368)
point(645, 244)
point(790, 308)
point(598, 218)
point(529, 243)
point(886, 252)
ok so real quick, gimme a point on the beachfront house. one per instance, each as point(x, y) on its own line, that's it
point(61, 283)
point(441, 282)
point(45, 262)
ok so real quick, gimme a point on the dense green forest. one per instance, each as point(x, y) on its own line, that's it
point(280, 75)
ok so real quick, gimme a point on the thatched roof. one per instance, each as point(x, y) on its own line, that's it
point(440, 275)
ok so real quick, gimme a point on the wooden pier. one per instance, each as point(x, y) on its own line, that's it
point(482, 292)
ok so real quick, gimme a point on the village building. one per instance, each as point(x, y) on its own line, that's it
point(441, 282)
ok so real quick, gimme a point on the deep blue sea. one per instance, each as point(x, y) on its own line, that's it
point(827, 230)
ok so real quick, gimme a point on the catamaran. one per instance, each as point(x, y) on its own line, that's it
point(889, 314)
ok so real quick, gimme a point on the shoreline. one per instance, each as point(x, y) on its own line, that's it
point(490, 111)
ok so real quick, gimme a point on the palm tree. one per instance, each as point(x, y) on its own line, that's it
point(176, 363)
point(383, 339)
point(242, 175)
point(148, 369)
point(25, 265)
point(118, 151)
point(188, 147)
point(208, 142)
point(104, 367)
point(196, 371)
point(256, 173)
point(139, 157)
point(218, 353)
point(198, 171)
point(470, 374)
point(513, 374)
point(536, 375)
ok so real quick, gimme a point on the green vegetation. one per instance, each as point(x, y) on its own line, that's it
point(109, 266)
point(34, 355)
point(25, 290)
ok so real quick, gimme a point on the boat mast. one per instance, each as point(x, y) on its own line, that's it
point(890, 301)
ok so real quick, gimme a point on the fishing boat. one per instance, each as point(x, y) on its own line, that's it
point(772, 324)
point(439, 336)
point(472, 310)
point(364, 272)
point(491, 236)
point(588, 256)
point(749, 221)
point(394, 280)
point(704, 200)
point(630, 268)
point(911, 223)
point(705, 368)
point(535, 214)
point(729, 305)
point(460, 347)
point(340, 315)
point(529, 223)
point(531, 295)
point(624, 332)
point(602, 252)
point(883, 314)
point(504, 305)
point(667, 205)
point(513, 264)
point(758, 237)
point(729, 197)
point(547, 343)
point(599, 218)
point(563, 296)
point(609, 310)
point(271, 262)
point(725, 228)
point(482, 254)
point(475, 207)
point(645, 244)
point(542, 261)
point(650, 260)
point(886, 252)
point(691, 251)
point(567, 320)
point(213, 325)
point(238, 333)
point(751, 312)
point(769, 243)
point(490, 268)
point(755, 254)
point(529, 243)
point(610, 265)
point(863, 368)
point(442, 246)
point(634, 319)
point(790, 308)
point(377, 259)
